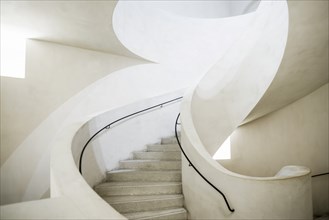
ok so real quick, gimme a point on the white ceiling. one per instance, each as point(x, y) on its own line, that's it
point(87, 24)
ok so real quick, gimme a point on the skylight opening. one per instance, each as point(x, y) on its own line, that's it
point(224, 152)
point(13, 51)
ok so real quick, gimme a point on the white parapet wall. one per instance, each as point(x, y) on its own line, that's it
point(279, 197)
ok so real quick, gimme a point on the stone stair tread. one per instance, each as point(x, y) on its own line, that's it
point(142, 171)
point(123, 188)
point(163, 148)
point(156, 152)
point(149, 161)
point(131, 175)
point(149, 185)
point(121, 171)
point(140, 198)
point(169, 140)
point(163, 145)
point(146, 164)
point(135, 184)
point(151, 165)
point(154, 214)
point(159, 155)
point(145, 160)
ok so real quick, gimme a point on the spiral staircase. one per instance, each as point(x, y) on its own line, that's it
point(159, 183)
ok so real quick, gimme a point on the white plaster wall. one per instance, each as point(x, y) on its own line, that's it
point(28, 180)
point(145, 81)
point(117, 143)
point(56, 208)
point(114, 91)
point(216, 106)
point(277, 197)
point(54, 73)
point(304, 66)
point(189, 45)
point(208, 9)
point(67, 183)
point(234, 85)
point(296, 134)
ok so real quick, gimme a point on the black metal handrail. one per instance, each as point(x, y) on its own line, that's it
point(108, 126)
point(320, 174)
point(191, 165)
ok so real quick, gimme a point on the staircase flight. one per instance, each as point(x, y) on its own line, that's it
point(149, 186)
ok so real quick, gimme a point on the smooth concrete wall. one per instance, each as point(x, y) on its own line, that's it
point(67, 183)
point(208, 8)
point(54, 73)
point(132, 134)
point(233, 86)
point(71, 194)
point(304, 66)
point(23, 180)
point(188, 45)
point(296, 134)
point(56, 208)
point(216, 106)
point(288, 195)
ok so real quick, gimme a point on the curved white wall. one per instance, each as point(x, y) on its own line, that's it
point(158, 39)
point(206, 8)
point(120, 88)
point(229, 91)
point(251, 197)
point(145, 81)
point(297, 134)
point(217, 105)
point(55, 73)
point(117, 143)
point(187, 45)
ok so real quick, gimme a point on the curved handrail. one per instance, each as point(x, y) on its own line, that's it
point(191, 165)
point(120, 119)
point(321, 174)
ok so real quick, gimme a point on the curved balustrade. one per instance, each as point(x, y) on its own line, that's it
point(265, 196)
point(192, 165)
point(66, 182)
point(217, 105)
point(108, 126)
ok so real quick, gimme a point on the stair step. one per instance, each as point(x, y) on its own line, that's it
point(169, 140)
point(138, 188)
point(163, 147)
point(150, 164)
point(124, 204)
point(179, 213)
point(143, 176)
point(167, 155)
